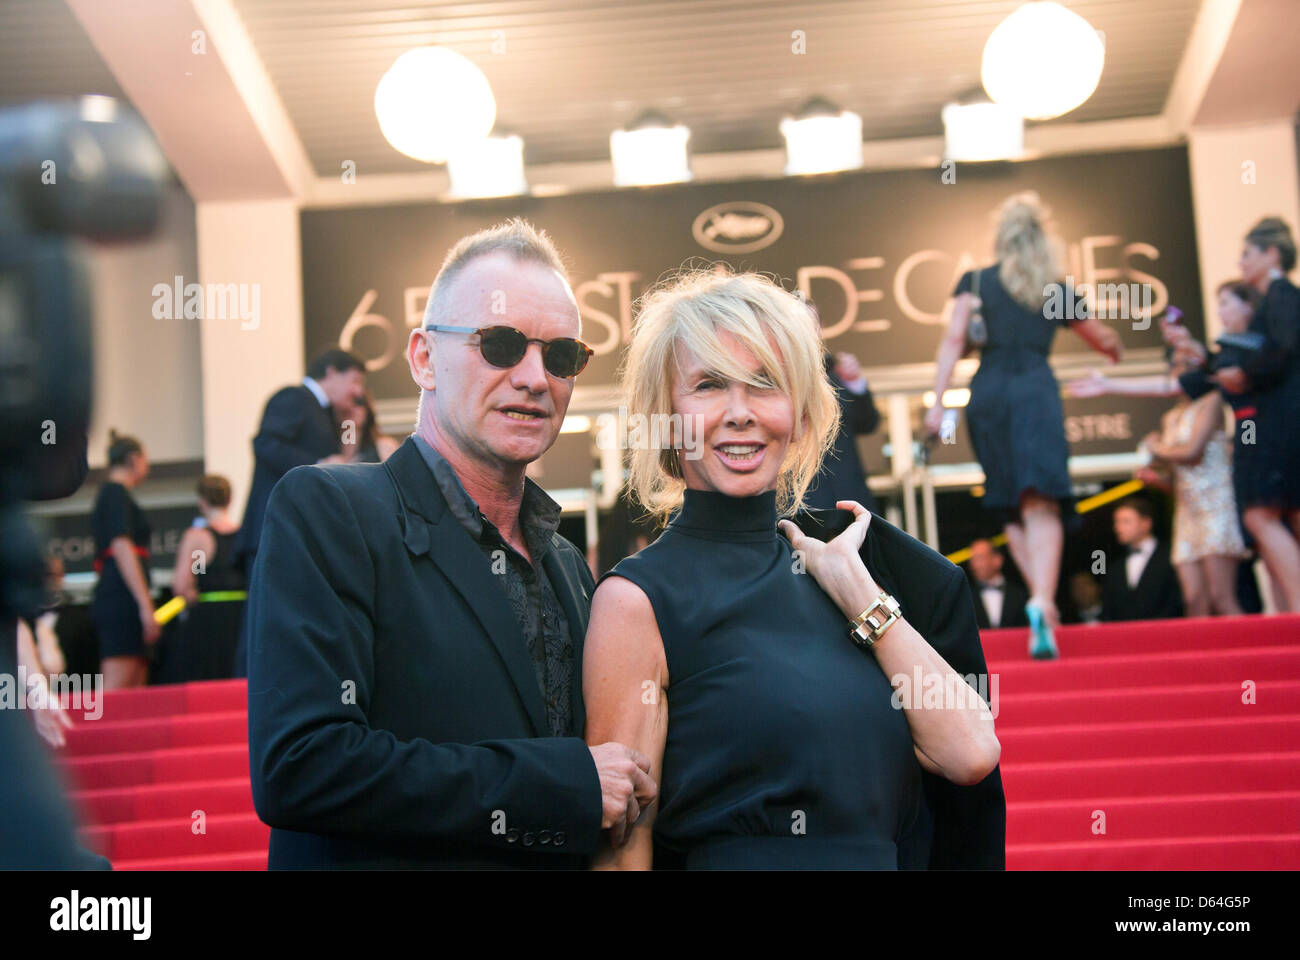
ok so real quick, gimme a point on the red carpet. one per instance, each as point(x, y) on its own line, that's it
point(1139, 729)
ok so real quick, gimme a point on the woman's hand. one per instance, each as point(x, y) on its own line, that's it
point(1232, 379)
point(150, 626)
point(837, 566)
point(1096, 384)
point(51, 721)
point(934, 419)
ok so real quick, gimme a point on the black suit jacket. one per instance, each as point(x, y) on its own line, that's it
point(394, 717)
point(963, 826)
point(295, 430)
point(843, 476)
point(1157, 596)
point(1014, 598)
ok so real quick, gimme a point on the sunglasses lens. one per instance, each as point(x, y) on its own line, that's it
point(502, 346)
point(505, 346)
point(564, 358)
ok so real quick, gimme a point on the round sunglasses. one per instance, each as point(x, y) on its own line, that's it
point(504, 347)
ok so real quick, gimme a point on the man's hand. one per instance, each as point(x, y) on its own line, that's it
point(847, 368)
point(626, 788)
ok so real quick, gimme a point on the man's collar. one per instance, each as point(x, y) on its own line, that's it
point(316, 391)
point(536, 510)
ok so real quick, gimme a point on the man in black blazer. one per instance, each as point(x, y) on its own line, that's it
point(1140, 582)
point(962, 826)
point(415, 661)
point(842, 476)
point(999, 602)
point(298, 428)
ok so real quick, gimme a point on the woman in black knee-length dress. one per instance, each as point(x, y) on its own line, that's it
point(1015, 416)
point(122, 605)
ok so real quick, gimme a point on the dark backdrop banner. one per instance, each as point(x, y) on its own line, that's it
point(879, 252)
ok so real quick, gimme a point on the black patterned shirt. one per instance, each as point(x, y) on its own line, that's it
point(541, 618)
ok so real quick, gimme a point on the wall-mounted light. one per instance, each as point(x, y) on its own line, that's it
point(652, 150)
point(491, 167)
point(431, 100)
point(821, 138)
point(1042, 60)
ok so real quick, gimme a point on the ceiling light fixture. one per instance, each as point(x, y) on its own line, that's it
point(491, 167)
point(822, 138)
point(1042, 60)
point(433, 100)
point(651, 151)
point(982, 130)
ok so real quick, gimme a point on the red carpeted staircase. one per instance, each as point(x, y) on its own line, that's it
point(1141, 729)
point(1138, 728)
point(162, 779)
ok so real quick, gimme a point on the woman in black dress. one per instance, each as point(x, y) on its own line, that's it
point(722, 651)
point(122, 608)
point(1015, 417)
point(202, 646)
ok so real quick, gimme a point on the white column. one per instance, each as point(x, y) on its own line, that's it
point(254, 245)
point(1239, 175)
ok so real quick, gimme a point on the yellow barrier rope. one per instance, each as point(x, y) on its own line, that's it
point(1083, 506)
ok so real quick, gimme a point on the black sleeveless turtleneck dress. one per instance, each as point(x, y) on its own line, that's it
point(784, 749)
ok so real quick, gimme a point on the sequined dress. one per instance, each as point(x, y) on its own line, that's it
point(1205, 512)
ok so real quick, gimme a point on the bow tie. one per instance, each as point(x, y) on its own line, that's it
point(1134, 551)
point(989, 585)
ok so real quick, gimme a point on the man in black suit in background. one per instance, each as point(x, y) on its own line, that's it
point(998, 601)
point(298, 428)
point(1140, 582)
point(842, 476)
point(416, 626)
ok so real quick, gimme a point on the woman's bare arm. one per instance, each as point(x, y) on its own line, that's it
point(957, 742)
point(624, 684)
point(1100, 337)
point(1209, 414)
point(184, 582)
point(951, 347)
point(1098, 384)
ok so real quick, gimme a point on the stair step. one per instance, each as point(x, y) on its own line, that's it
point(1155, 817)
point(1150, 636)
point(1264, 852)
point(88, 738)
point(1074, 780)
point(173, 765)
point(175, 837)
point(1202, 701)
point(250, 860)
point(1077, 742)
point(1123, 671)
point(164, 800)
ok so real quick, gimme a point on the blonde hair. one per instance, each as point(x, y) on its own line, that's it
point(1029, 255)
point(693, 310)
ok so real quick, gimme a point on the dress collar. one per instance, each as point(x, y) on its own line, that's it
point(743, 518)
